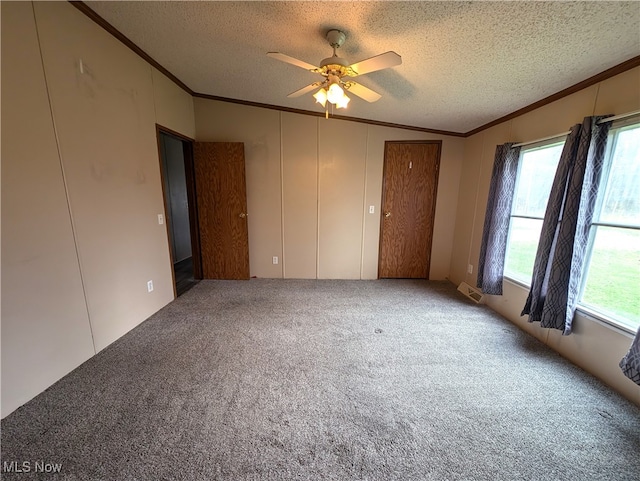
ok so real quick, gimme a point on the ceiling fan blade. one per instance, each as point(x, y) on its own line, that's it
point(304, 90)
point(293, 61)
point(362, 91)
point(384, 60)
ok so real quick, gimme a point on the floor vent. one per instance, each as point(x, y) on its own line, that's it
point(471, 292)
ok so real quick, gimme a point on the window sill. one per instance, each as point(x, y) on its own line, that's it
point(607, 322)
point(517, 282)
point(585, 311)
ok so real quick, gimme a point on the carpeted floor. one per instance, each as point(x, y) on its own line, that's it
point(326, 380)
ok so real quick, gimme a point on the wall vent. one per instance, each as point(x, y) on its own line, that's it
point(471, 292)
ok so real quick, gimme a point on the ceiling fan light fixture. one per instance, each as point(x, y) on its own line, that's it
point(321, 96)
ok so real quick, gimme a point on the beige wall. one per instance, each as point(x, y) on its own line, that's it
point(310, 182)
point(594, 346)
point(299, 170)
point(45, 324)
point(174, 106)
point(81, 192)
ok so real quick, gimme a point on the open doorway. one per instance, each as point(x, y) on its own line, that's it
point(176, 160)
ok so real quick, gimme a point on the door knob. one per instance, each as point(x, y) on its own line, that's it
point(243, 215)
point(387, 214)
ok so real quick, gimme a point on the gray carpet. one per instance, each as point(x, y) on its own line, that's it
point(326, 380)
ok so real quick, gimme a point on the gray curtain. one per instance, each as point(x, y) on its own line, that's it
point(559, 262)
point(630, 363)
point(496, 220)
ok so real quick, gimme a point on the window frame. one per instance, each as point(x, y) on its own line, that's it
point(607, 317)
point(547, 143)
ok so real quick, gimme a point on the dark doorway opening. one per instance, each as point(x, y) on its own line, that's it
point(178, 183)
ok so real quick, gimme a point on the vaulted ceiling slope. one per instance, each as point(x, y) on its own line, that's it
point(464, 64)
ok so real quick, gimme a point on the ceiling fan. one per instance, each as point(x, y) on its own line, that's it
point(334, 69)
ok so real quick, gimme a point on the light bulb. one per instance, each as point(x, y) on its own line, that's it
point(335, 94)
point(342, 103)
point(321, 96)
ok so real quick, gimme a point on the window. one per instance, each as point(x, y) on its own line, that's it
point(536, 170)
point(611, 284)
point(611, 281)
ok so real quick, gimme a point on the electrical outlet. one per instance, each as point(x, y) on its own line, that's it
point(275, 259)
point(149, 286)
point(160, 219)
point(470, 269)
point(372, 209)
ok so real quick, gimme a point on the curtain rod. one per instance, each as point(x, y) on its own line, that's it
point(618, 117)
point(542, 139)
point(608, 119)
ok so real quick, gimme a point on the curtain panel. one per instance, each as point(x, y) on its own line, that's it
point(559, 262)
point(496, 220)
point(630, 363)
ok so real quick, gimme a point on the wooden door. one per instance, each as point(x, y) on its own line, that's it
point(222, 209)
point(410, 183)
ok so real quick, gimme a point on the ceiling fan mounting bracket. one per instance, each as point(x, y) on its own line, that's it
point(335, 64)
point(336, 38)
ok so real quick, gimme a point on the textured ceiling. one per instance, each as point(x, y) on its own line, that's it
point(464, 64)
